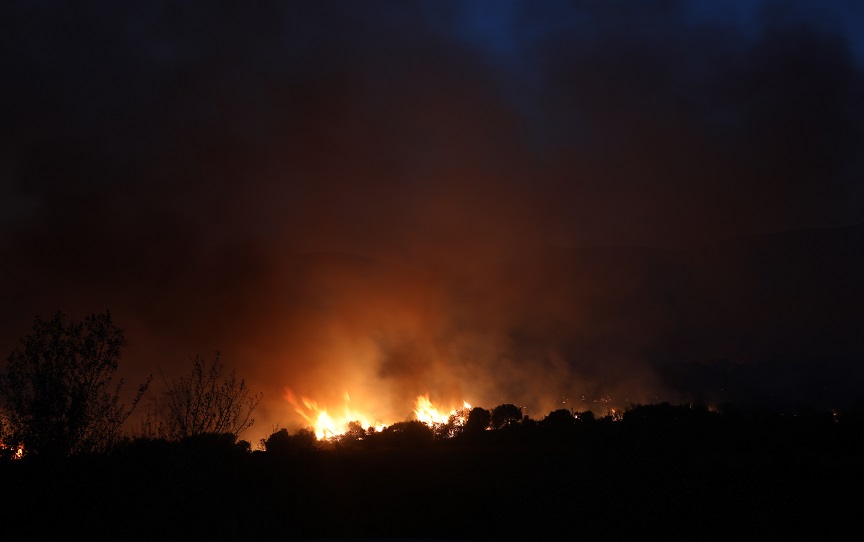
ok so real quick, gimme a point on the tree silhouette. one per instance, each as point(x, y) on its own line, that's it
point(407, 434)
point(281, 443)
point(477, 422)
point(354, 433)
point(58, 390)
point(305, 440)
point(505, 415)
point(207, 400)
point(7, 448)
point(558, 422)
point(586, 416)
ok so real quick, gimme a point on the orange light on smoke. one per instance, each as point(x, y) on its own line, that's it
point(327, 424)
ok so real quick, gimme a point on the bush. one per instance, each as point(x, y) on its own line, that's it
point(59, 392)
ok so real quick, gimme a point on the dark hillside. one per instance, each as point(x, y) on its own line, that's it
point(680, 472)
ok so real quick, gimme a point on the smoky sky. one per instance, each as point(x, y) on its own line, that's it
point(352, 194)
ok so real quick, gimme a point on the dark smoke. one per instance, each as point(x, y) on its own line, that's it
point(395, 198)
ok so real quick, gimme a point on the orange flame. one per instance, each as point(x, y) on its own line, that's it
point(327, 426)
point(427, 413)
point(17, 451)
point(324, 424)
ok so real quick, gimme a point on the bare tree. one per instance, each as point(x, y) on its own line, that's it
point(208, 400)
point(58, 390)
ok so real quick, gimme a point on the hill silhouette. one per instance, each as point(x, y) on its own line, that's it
point(677, 471)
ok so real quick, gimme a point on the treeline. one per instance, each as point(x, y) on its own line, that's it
point(681, 471)
point(59, 395)
point(660, 468)
point(661, 426)
point(59, 398)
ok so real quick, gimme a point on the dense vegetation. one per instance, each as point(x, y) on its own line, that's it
point(660, 470)
point(678, 471)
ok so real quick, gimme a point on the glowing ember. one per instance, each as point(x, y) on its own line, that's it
point(18, 452)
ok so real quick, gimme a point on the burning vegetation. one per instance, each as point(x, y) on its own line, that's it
point(327, 426)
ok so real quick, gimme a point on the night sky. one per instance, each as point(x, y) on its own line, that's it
point(573, 203)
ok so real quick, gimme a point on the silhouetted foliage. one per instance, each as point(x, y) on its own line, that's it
point(305, 439)
point(645, 469)
point(149, 448)
point(7, 448)
point(586, 417)
point(449, 429)
point(282, 443)
point(411, 433)
point(213, 443)
point(478, 421)
point(354, 434)
point(279, 442)
point(558, 421)
point(59, 392)
point(207, 400)
point(528, 426)
point(505, 415)
point(452, 427)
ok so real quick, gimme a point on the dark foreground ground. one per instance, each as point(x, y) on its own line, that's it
point(787, 479)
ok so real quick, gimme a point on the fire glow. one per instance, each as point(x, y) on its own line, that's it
point(426, 412)
point(17, 452)
point(327, 425)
